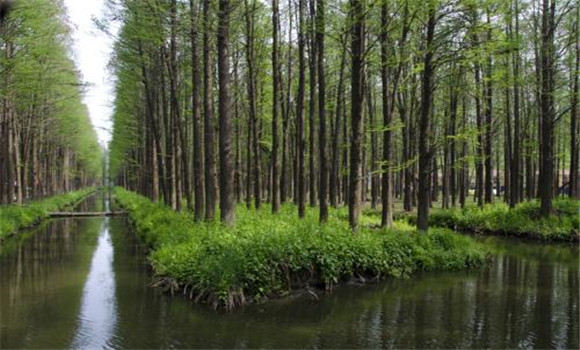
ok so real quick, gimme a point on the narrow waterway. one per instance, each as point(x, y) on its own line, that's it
point(84, 283)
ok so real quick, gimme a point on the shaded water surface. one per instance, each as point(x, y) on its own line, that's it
point(83, 283)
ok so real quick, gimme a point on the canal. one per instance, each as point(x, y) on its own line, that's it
point(85, 283)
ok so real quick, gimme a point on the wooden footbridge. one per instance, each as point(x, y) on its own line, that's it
point(68, 214)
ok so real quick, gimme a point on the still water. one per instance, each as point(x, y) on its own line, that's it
point(84, 283)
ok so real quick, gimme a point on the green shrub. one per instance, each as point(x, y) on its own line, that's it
point(266, 255)
point(523, 220)
point(14, 217)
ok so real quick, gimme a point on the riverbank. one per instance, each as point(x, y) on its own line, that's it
point(522, 221)
point(267, 255)
point(15, 217)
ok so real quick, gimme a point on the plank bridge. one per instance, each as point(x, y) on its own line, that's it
point(64, 214)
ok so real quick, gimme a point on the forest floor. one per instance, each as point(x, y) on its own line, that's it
point(265, 255)
point(498, 219)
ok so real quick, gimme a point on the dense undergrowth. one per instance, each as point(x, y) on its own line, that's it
point(15, 217)
point(522, 221)
point(267, 255)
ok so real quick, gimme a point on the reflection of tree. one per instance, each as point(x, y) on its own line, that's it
point(41, 280)
point(572, 308)
point(527, 297)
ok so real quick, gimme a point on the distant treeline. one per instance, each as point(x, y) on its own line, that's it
point(47, 143)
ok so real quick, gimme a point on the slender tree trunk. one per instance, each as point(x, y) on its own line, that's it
point(312, 106)
point(435, 174)
point(208, 112)
point(171, 199)
point(386, 214)
point(507, 149)
point(275, 106)
point(284, 178)
point(196, 98)
point(452, 144)
point(227, 203)
point(515, 161)
point(574, 153)
point(488, 123)
point(323, 186)
point(181, 161)
point(357, 100)
point(374, 156)
point(345, 156)
point(238, 178)
point(425, 153)
point(252, 100)
point(479, 146)
point(300, 114)
point(464, 170)
point(547, 61)
point(334, 172)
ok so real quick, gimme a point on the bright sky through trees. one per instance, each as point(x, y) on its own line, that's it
point(92, 49)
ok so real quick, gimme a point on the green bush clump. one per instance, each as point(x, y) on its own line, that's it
point(266, 255)
point(523, 220)
point(15, 217)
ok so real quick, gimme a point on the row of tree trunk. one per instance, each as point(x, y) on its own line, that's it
point(459, 120)
point(47, 144)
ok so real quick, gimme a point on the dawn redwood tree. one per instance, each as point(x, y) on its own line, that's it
point(488, 126)
point(431, 68)
point(547, 71)
point(387, 215)
point(323, 186)
point(276, 83)
point(313, 77)
point(574, 184)
point(198, 171)
point(252, 86)
point(208, 112)
point(358, 9)
point(301, 180)
point(47, 143)
point(226, 177)
point(479, 181)
point(515, 161)
point(425, 152)
point(334, 181)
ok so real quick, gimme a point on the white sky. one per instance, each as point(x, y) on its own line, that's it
point(92, 49)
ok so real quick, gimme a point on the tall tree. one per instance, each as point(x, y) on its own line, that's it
point(425, 153)
point(515, 161)
point(358, 10)
point(323, 186)
point(547, 69)
point(250, 13)
point(198, 171)
point(334, 190)
point(488, 136)
point(300, 114)
point(387, 215)
point(276, 96)
point(226, 177)
point(313, 77)
point(208, 112)
point(574, 184)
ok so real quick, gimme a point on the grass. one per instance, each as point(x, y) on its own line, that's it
point(15, 217)
point(267, 255)
point(522, 221)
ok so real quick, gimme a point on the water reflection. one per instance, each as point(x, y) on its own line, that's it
point(41, 283)
point(98, 312)
point(84, 283)
point(527, 297)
